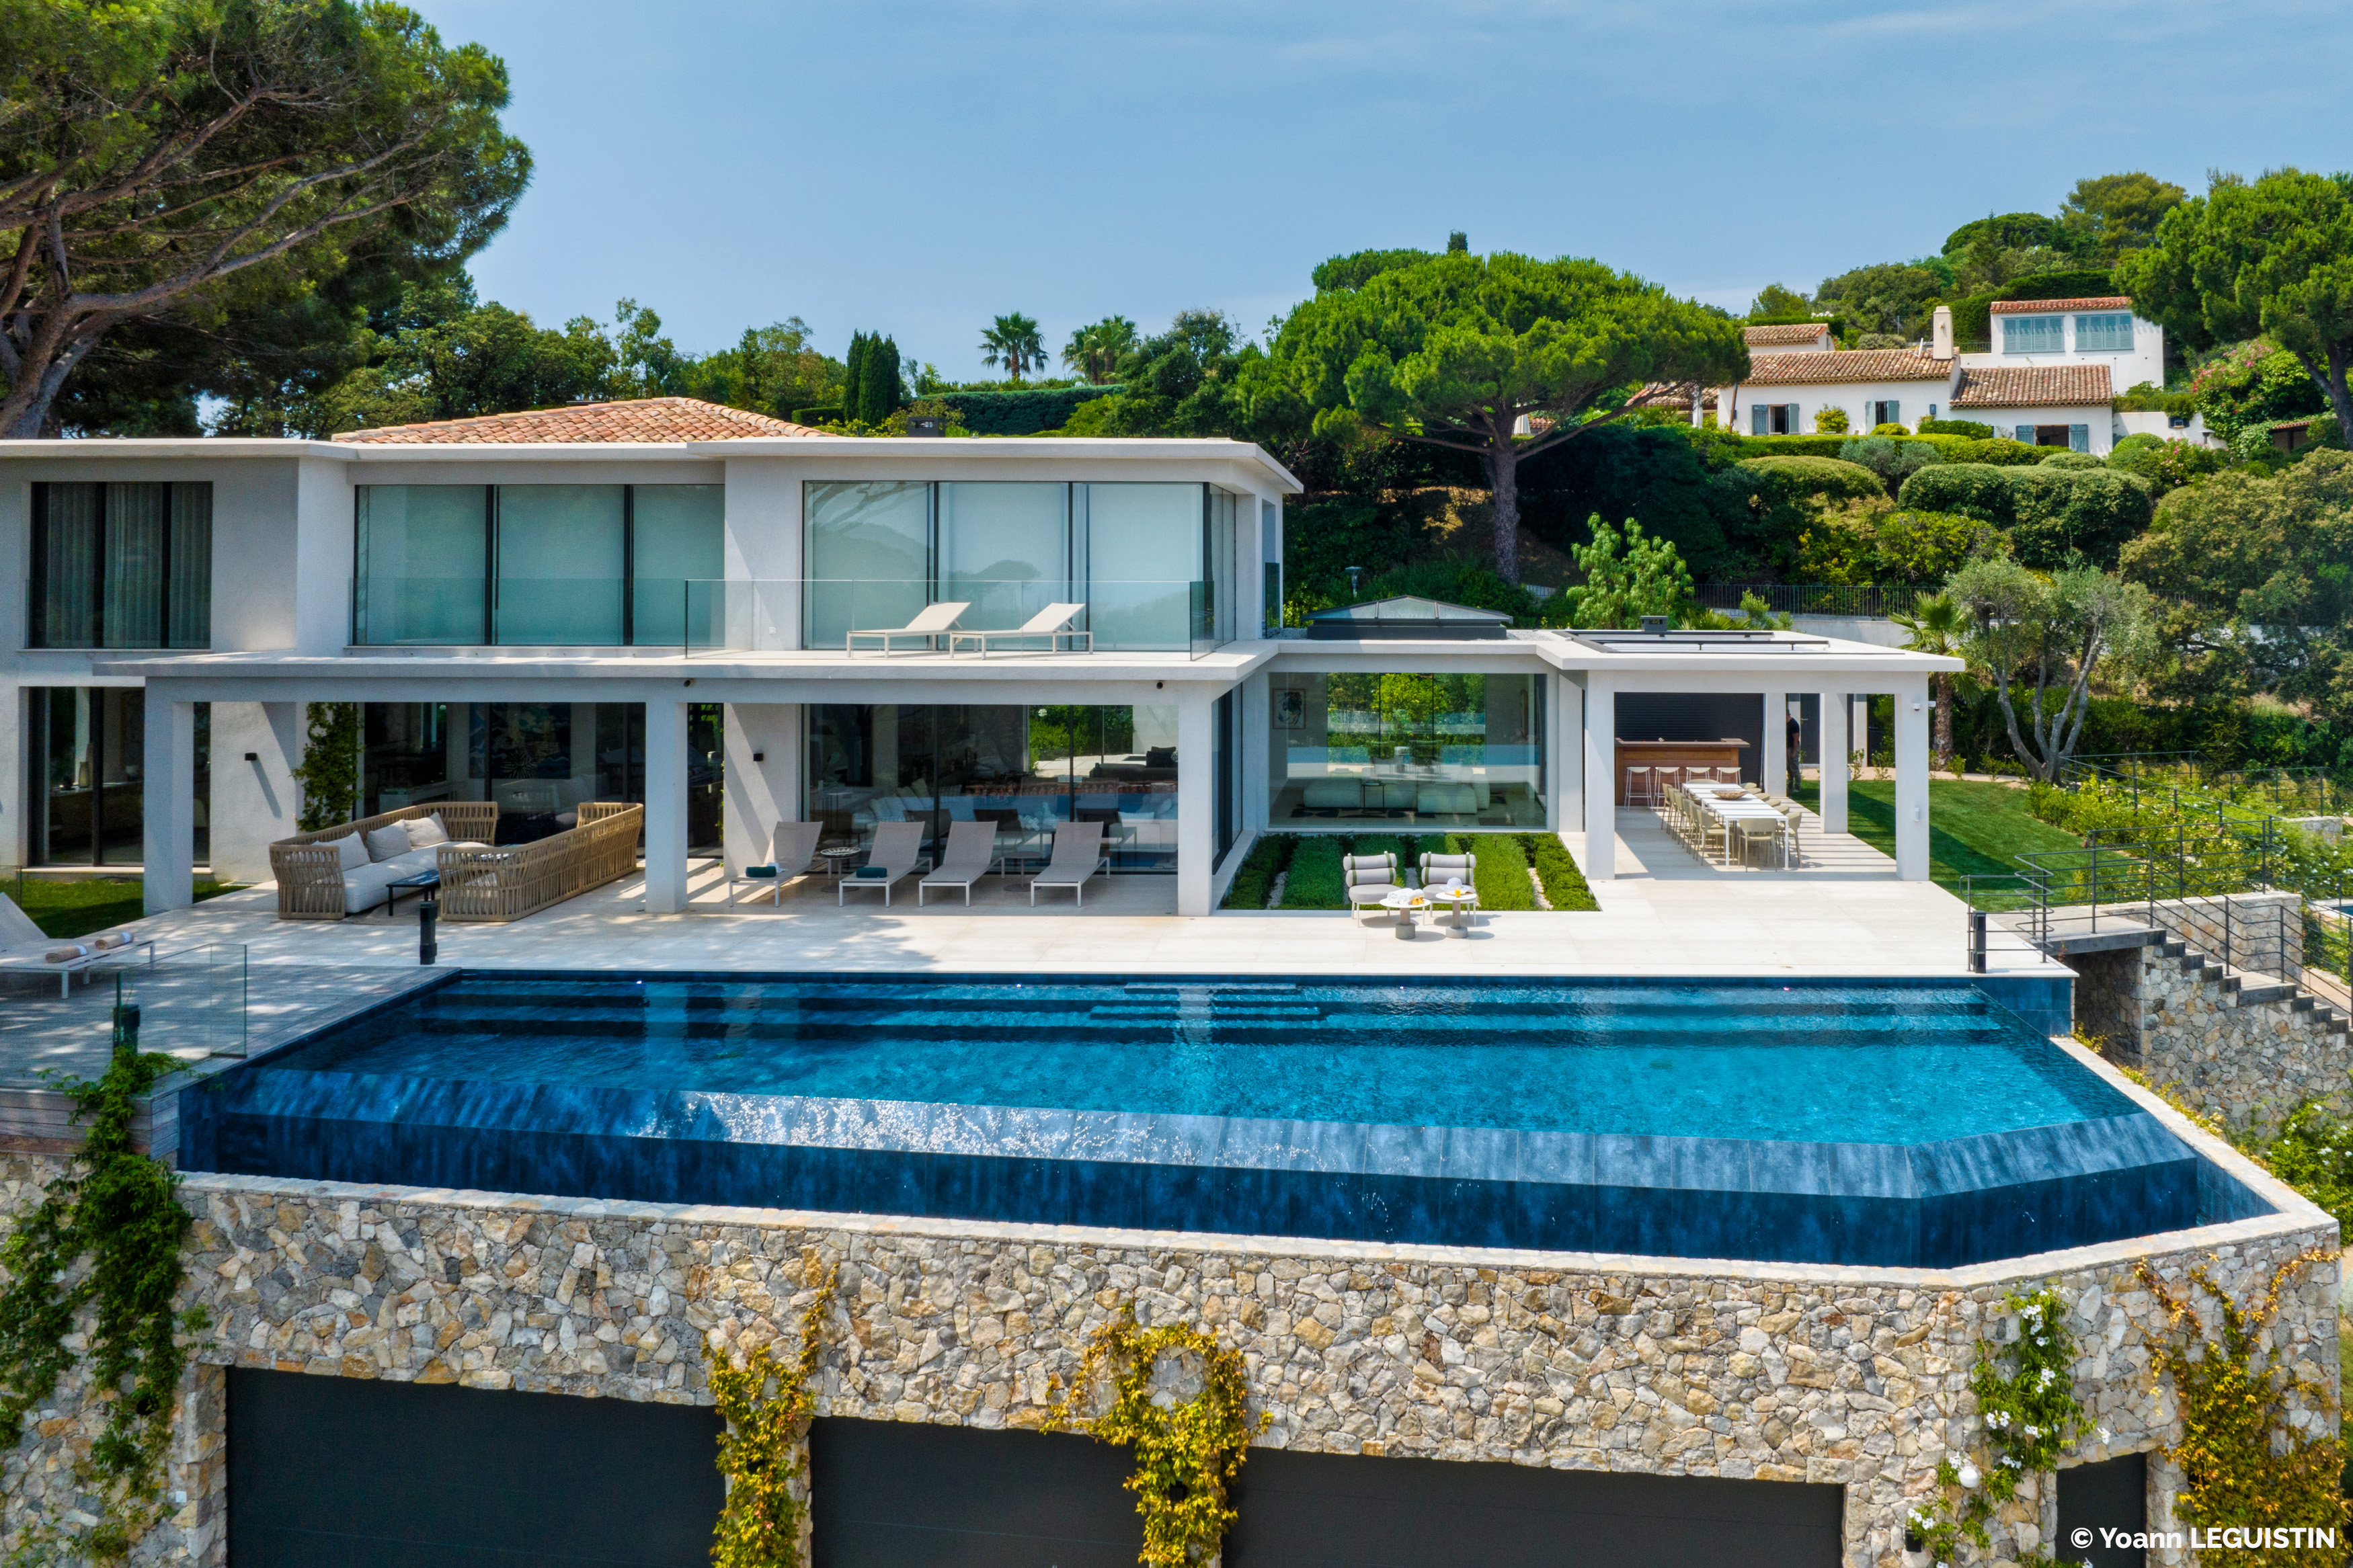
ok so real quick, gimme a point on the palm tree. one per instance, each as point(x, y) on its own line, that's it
point(1937, 624)
point(1013, 341)
point(1095, 352)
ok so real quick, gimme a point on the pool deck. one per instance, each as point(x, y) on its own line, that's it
point(1667, 912)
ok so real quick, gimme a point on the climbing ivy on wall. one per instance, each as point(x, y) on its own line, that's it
point(2242, 1462)
point(329, 773)
point(106, 1240)
point(1186, 1451)
point(763, 1453)
point(2026, 1398)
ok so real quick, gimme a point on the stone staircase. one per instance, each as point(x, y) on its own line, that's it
point(2251, 986)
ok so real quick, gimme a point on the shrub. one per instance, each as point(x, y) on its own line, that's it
point(2068, 459)
point(2001, 451)
point(1979, 488)
point(1501, 879)
point(1255, 879)
point(1023, 412)
point(1790, 491)
point(1830, 422)
point(2063, 511)
point(1747, 447)
point(1565, 887)
point(1915, 545)
point(2126, 454)
point(1316, 881)
point(1890, 430)
point(1892, 460)
point(1969, 427)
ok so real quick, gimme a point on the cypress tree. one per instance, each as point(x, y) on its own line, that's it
point(855, 374)
point(880, 391)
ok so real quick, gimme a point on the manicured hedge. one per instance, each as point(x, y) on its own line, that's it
point(1789, 489)
point(1502, 876)
point(1747, 447)
point(2001, 451)
point(1255, 879)
point(2051, 514)
point(1020, 412)
point(1969, 427)
point(1564, 885)
point(1316, 881)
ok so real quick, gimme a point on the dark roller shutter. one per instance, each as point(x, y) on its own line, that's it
point(892, 1494)
point(336, 1472)
point(1325, 1510)
point(2110, 1495)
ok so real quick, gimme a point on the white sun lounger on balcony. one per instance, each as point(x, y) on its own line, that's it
point(898, 849)
point(971, 851)
point(1052, 623)
point(934, 620)
point(1078, 855)
point(790, 849)
point(24, 946)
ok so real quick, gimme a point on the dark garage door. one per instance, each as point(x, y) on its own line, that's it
point(2113, 1495)
point(891, 1494)
point(332, 1472)
point(1308, 1510)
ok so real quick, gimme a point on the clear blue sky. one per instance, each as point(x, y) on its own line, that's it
point(917, 167)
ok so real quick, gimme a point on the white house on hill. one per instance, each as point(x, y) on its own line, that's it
point(2051, 379)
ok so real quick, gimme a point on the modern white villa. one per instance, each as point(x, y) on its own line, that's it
point(663, 601)
point(2055, 370)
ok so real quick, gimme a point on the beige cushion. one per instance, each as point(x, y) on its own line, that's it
point(350, 853)
point(425, 832)
point(364, 888)
point(384, 843)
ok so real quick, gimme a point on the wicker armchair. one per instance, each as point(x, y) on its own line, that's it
point(508, 884)
point(311, 879)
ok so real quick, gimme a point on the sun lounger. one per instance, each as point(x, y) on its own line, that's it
point(934, 620)
point(790, 849)
point(24, 946)
point(1078, 855)
point(971, 851)
point(897, 851)
point(1052, 623)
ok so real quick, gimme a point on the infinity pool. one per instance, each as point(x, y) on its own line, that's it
point(1844, 1063)
point(1896, 1122)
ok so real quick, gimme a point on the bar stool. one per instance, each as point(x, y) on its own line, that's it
point(1669, 784)
point(1727, 775)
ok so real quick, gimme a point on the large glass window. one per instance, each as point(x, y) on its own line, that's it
point(2033, 334)
point(1460, 752)
point(560, 564)
point(87, 748)
point(576, 565)
point(1025, 768)
point(122, 565)
point(423, 558)
point(540, 761)
point(1005, 548)
point(1143, 557)
point(678, 536)
point(2111, 331)
point(869, 559)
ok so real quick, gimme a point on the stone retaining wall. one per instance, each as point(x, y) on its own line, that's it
point(2244, 1061)
point(1851, 1376)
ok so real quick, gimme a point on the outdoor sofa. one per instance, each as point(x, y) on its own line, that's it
point(318, 879)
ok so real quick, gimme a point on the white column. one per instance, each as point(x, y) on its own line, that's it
point(16, 787)
point(169, 807)
point(1565, 799)
point(1601, 777)
point(1254, 739)
point(254, 748)
point(1912, 781)
point(1832, 744)
point(760, 775)
point(665, 807)
point(1773, 771)
point(1196, 802)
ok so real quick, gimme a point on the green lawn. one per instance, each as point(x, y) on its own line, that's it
point(68, 909)
point(1974, 829)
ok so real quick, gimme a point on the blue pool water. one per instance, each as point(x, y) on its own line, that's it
point(1840, 1064)
point(1897, 1123)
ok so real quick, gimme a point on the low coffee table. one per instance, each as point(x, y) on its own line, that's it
point(1457, 903)
point(422, 883)
point(838, 857)
point(1402, 903)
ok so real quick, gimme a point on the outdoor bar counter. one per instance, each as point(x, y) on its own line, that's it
point(1725, 754)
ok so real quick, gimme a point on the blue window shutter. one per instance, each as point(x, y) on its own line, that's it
point(1757, 419)
point(1890, 414)
point(2026, 434)
point(2079, 438)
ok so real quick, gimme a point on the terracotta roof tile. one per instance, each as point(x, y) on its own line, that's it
point(1850, 365)
point(2033, 387)
point(1784, 333)
point(640, 419)
point(2051, 307)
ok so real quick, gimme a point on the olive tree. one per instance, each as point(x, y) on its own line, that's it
point(1457, 350)
point(160, 156)
point(2049, 633)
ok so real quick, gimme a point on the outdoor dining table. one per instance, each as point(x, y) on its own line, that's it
point(1732, 807)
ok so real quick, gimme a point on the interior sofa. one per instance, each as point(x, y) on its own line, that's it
point(320, 879)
